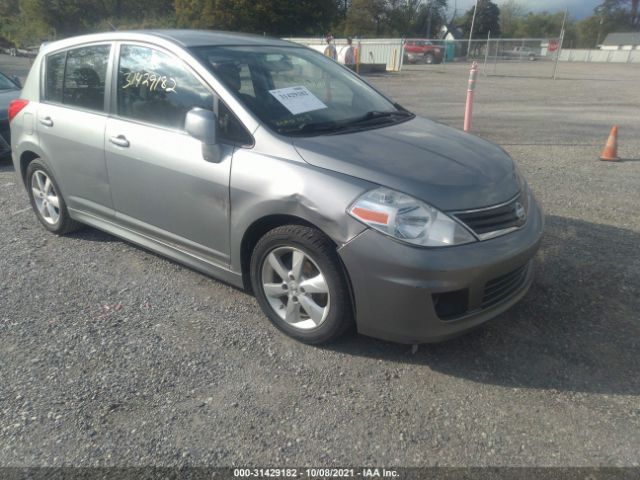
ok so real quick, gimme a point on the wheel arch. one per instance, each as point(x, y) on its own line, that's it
point(263, 225)
point(26, 158)
point(257, 230)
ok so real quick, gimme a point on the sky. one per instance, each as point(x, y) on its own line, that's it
point(577, 8)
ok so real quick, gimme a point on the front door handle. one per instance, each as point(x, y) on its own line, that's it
point(46, 121)
point(120, 141)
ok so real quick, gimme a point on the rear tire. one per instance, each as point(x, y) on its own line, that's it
point(429, 58)
point(47, 201)
point(300, 285)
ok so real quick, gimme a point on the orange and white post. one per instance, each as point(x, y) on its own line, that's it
point(468, 111)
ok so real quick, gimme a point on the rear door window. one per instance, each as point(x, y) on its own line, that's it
point(77, 77)
point(84, 78)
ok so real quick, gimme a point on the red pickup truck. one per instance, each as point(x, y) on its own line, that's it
point(422, 51)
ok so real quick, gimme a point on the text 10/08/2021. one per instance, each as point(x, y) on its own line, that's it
point(363, 472)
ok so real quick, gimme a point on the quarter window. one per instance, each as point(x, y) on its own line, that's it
point(55, 77)
point(155, 87)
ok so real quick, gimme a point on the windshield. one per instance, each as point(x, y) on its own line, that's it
point(297, 91)
point(6, 84)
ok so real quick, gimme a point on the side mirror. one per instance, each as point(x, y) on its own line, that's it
point(17, 81)
point(201, 124)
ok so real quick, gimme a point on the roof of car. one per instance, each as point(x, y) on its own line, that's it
point(193, 38)
point(184, 38)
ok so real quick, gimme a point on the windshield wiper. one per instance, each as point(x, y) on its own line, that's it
point(335, 127)
point(376, 115)
point(319, 128)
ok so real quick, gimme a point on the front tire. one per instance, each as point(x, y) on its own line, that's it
point(46, 200)
point(299, 282)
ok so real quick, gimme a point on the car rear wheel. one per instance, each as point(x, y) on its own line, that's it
point(298, 280)
point(429, 58)
point(47, 201)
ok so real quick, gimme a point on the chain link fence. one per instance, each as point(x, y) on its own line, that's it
point(508, 57)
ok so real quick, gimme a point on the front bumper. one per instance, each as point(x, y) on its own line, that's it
point(396, 286)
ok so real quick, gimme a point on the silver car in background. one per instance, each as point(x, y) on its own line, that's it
point(266, 165)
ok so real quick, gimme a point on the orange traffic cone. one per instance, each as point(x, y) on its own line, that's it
point(610, 152)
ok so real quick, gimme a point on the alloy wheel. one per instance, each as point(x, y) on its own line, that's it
point(46, 197)
point(295, 287)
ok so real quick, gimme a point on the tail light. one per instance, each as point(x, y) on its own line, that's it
point(16, 106)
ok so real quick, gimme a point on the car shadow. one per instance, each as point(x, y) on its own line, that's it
point(577, 330)
point(91, 234)
point(6, 165)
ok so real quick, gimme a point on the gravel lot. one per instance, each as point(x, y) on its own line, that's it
point(111, 355)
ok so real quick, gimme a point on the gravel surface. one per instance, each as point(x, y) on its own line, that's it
point(111, 355)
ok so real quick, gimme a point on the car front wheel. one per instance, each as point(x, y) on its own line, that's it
point(298, 280)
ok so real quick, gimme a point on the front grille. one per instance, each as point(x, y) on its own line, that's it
point(503, 287)
point(487, 222)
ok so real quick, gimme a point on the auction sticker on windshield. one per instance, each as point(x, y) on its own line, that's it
point(297, 99)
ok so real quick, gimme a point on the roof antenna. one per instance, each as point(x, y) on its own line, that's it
point(114, 29)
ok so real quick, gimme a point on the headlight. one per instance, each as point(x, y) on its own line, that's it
point(408, 219)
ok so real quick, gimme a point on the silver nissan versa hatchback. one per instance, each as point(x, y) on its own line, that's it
point(271, 167)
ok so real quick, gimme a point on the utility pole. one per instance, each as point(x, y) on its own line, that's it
point(429, 15)
point(555, 68)
point(473, 21)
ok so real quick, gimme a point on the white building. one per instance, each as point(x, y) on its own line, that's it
point(621, 41)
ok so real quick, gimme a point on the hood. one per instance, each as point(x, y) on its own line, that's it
point(444, 167)
point(5, 98)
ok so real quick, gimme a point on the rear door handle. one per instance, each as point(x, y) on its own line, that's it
point(46, 121)
point(120, 141)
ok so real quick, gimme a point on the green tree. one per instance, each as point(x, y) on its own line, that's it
point(540, 25)
point(610, 16)
point(511, 13)
point(589, 31)
point(32, 21)
point(487, 20)
point(274, 17)
point(428, 19)
point(366, 18)
point(617, 8)
point(395, 17)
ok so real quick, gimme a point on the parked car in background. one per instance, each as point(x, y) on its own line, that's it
point(522, 53)
point(422, 51)
point(270, 166)
point(31, 51)
point(9, 90)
